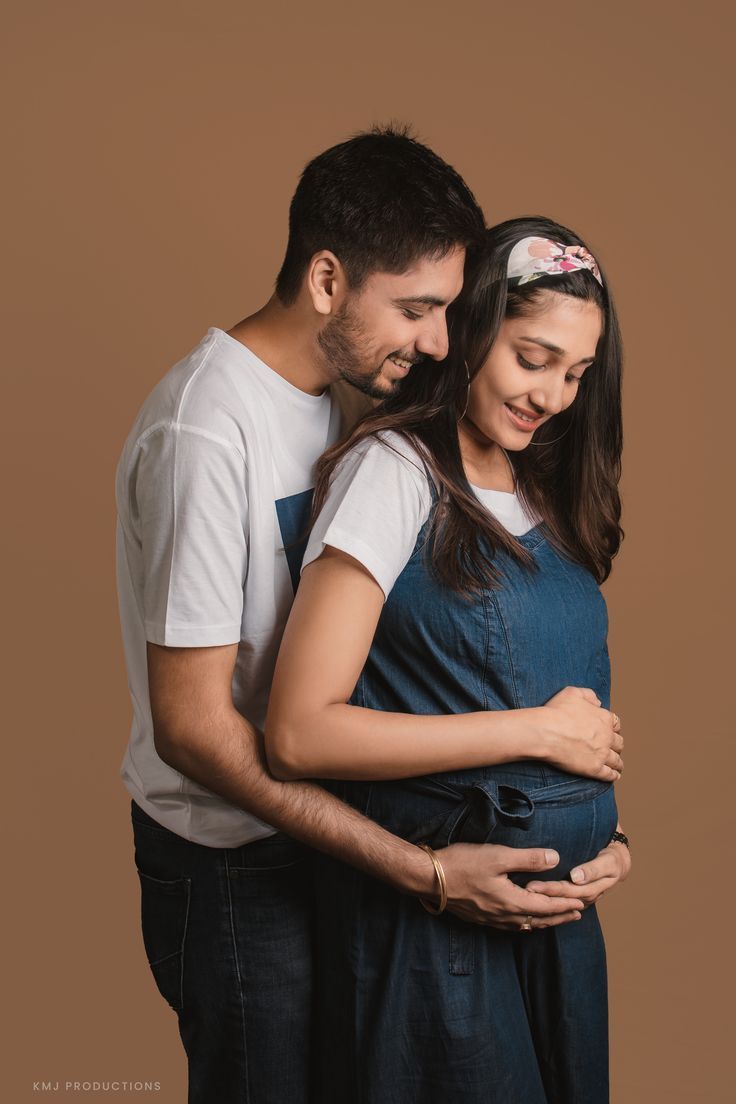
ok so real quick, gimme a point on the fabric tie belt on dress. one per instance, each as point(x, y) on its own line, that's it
point(481, 808)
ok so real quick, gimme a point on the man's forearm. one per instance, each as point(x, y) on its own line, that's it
point(228, 759)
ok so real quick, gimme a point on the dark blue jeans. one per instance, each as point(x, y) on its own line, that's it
point(227, 933)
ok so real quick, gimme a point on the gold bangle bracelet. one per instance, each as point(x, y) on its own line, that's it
point(435, 909)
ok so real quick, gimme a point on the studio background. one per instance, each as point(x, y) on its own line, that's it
point(151, 152)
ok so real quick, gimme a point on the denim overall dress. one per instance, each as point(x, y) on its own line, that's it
point(417, 1009)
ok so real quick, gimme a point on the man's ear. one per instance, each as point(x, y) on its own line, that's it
point(326, 282)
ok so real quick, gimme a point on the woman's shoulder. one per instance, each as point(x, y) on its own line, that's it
point(392, 453)
point(375, 507)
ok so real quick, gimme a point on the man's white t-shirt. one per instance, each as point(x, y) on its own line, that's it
point(213, 491)
point(379, 499)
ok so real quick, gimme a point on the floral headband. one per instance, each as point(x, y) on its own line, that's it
point(534, 257)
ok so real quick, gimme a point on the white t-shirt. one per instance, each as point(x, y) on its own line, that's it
point(378, 501)
point(213, 488)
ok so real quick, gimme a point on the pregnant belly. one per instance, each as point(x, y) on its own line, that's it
point(515, 804)
point(575, 816)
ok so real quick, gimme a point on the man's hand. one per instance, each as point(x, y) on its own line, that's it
point(591, 880)
point(479, 888)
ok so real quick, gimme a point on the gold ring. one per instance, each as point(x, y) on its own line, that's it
point(526, 924)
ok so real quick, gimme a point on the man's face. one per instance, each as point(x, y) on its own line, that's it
point(391, 323)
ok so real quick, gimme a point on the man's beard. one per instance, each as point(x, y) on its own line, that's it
point(346, 351)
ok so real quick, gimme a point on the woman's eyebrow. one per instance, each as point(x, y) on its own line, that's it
point(545, 345)
point(554, 348)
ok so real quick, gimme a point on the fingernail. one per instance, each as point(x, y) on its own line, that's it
point(577, 875)
point(551, 858)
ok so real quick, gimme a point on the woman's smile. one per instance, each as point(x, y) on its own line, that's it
point(523, 419)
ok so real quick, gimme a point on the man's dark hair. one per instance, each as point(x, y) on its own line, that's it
point(379, 202)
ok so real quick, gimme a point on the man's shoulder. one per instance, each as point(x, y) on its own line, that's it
point(207, 392)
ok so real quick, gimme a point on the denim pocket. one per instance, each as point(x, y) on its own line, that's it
point(164, 914)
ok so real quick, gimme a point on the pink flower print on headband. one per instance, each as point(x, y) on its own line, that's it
point(534, 257)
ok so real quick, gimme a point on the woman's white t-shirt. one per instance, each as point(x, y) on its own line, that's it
point(378, 501)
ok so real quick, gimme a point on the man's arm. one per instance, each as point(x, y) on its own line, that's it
point(199, 733)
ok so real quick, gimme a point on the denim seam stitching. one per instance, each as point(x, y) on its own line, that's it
point(536, 536)
point(188, 884)
point(560, 789)
point(512, 673)
point(593, 826)
point(562, 804)
point(262, 869)
point(159, 961)
point(486, 651)
point(173, 954)
point(240, 977)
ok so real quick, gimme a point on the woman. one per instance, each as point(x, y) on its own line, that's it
point(453, 571)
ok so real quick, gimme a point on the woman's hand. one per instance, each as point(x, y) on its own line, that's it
point(591, 880)
point(581, 737)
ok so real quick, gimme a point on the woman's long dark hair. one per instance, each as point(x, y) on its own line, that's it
point(568, 475)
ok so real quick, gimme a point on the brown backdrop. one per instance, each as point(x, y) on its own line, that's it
point(153, 148)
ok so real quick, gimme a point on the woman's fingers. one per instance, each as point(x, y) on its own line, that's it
point(614, 761)
point(566, 891)
point(563, 890)
point(606, 864)
point(555, 921)
point(539, 905)
point(590, 880)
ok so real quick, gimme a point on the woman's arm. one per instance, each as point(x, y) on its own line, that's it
point(311, 731)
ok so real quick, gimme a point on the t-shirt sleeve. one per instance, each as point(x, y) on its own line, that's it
point(378, 501)
point(189, 490)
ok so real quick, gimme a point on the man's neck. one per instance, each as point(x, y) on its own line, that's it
point(284, 339)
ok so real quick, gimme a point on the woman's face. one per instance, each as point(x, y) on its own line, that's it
point(534, 369)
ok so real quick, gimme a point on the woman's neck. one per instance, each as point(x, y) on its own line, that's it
point(486, 463)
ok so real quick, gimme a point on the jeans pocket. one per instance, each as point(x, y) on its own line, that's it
point(266, 856)
point(164, 915)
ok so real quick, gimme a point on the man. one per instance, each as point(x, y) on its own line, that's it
point(213, 491)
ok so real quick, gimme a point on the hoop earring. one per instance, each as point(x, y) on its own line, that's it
point(467, 392)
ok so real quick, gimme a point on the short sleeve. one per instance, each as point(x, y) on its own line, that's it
point(189, 491)
point(378, 501)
